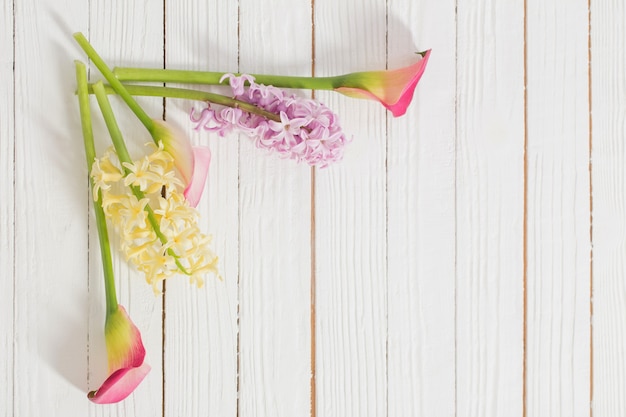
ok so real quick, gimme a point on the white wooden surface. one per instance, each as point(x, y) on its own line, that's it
point(449, 266)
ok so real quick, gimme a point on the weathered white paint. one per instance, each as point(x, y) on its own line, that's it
point(50, 298)
point(7, 209)
point(414, 244)
point(609, 205)
point(490, 208)
point(559, 248)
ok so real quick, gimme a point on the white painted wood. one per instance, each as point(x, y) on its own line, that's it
point(201, 325)
point(275, 229)
point(490, 208)
point(49, 301)
point(558, 210)
point(419, 232)
point(126, 33)
point(350, 223)
point(7, 212)
point(608, 40)
point(421, 219)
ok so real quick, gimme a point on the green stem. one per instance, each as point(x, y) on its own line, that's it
point(115, 83)
point(213, 78)
point(112, 126)
point(124, 156)
point(90, 153)
point(152, 91)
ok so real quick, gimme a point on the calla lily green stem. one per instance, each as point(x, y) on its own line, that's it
point(90, 153)
point(352, 80)
point(115, 83)
point(124, 156)
point(213, 78)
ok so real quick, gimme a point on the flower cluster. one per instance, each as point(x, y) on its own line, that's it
point(176, 244)
point(306, 130)
point(150, 202)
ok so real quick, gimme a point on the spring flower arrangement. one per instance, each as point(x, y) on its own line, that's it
point(149, 202)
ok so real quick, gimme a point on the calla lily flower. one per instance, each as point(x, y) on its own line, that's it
point(192, 162)
point(393, 89)
point(126, 359)
point(123, 341)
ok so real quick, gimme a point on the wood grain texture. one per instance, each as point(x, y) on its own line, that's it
point(126, 33)
point(414, 244)
point(608, 41)
point(351, 247)
point(421, 216)
point(559, 248)
point(50, 302)
point(201, 376)
point(274, 232)
point(490, 208)
point(7, 209)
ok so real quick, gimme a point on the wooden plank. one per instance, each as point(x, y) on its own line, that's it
point(421, 217)
point(559, 248)
point(201, 325)
point(490, 208)
point(7, 209)
point(274, 232)
point(49, 302)
point(608, 40)
point(351, 250)
point(126, 33)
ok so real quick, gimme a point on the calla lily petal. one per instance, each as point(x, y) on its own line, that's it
point(191, 162)
point(202, 159)
point(126, 356)
point(123, 340)
point(176, 144)
point(119, 385)
point(393, 89)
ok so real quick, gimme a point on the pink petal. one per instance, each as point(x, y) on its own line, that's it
point(176, 143)
point(393, 89)
point(202, 159)
point(119, 385)
point(126, 355)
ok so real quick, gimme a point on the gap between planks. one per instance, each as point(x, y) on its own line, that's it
point(589, 97)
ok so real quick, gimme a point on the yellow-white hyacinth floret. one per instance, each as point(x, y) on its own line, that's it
point(178, 245)
point(104, 173)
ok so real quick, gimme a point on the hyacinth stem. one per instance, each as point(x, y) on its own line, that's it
point(152, 91)
point(115, 83)
point(90, 153)
point(124, 156)
point(213, 78)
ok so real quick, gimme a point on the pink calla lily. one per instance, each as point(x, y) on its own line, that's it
point(192, 162)
point(202, 159)
point(393, 89)
point(126, 356)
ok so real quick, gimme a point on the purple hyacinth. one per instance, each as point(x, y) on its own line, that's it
point(307, 131)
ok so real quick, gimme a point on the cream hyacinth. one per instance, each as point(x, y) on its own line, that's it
point(175, 243)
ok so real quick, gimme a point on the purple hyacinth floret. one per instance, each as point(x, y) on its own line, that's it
point(308, 130)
